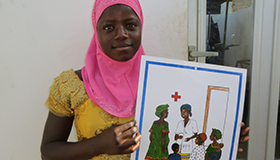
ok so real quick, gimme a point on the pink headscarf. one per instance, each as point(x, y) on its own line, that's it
point(110, 84)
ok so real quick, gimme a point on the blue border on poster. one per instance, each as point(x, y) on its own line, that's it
point(191, 68)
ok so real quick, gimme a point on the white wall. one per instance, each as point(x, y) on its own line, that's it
point(39, 39)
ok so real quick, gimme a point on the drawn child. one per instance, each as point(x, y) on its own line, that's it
point(175, 155)
point(198, 152)
point(186, 131)
point(214, 152)
point(159, 136)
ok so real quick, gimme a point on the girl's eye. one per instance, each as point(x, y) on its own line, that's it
point(131, 25)
point(108, 27)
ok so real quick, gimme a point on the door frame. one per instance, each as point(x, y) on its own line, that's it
point(201, 33)
point(197, 26)
point(264, 80)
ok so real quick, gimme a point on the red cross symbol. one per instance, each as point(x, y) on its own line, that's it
point(176, 96)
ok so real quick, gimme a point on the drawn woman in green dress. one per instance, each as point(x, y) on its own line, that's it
point(159, 136)
point(214, 152)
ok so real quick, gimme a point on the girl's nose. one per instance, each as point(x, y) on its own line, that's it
point(121, 32)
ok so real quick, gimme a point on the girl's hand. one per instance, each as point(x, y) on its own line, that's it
point(117, 139)
point(243, 135)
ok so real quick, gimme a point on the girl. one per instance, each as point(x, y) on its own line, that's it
point(100, 98)
point(159, 136)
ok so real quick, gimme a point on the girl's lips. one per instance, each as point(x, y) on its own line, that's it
point(122, 47)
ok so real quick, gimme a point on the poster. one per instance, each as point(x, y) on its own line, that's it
point(212, 99)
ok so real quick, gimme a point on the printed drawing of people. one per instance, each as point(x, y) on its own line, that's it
point(186, 131)
point(174, 155)
point(159, 136)
point(198, 153)
point(214, 152)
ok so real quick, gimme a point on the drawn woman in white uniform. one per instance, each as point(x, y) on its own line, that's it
point(186, 131)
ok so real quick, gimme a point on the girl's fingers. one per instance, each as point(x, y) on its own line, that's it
point(132, 145)
point(244, 135)
point(126, 131)
point(246, 131)
point(121, 128)
point(243, 139)
point(135, 147)
point(137, 138)
point(131, 149)
point(129, 133)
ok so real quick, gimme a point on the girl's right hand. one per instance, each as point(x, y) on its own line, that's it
point(115, 140)
point(118, 139)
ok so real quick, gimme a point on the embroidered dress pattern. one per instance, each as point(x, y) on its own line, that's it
point(68, 98)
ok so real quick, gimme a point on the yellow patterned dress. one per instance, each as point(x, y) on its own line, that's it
point(68, 98)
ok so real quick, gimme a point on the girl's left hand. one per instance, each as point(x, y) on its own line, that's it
point(243, 135)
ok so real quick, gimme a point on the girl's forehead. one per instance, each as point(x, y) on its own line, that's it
point(101, 5)
point(118, 9)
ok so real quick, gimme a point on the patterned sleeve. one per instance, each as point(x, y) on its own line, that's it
point(66, 93)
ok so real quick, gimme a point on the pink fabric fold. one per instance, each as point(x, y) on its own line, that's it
point(110, 84)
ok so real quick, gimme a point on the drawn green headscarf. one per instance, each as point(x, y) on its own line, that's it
point(160, 109)
point(217, 133)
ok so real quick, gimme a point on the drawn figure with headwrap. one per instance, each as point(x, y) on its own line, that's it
point(214, 152)
point(186, 131)
point(159, 136)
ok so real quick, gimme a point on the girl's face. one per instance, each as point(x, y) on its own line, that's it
point(185, 113)
point(119, 32)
